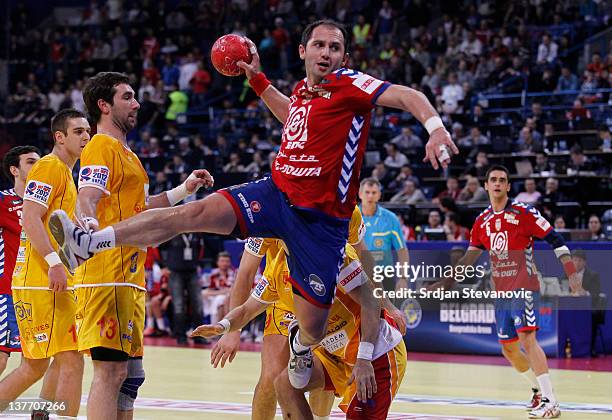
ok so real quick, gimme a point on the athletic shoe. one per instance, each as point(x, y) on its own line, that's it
point(300, 364)
point(72, 240)
point(546, 410)
point(536, 399)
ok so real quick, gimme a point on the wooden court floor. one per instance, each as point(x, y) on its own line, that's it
point(181, 384)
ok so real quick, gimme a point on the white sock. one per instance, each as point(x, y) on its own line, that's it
point(531, 378)
point(161, 324)
point(298, 347)
point(546, 387)
point(102, 240)
point(150, 322)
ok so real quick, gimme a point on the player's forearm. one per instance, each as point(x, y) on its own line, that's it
point(87, 202)
point(37, 234)
point(568, 265)
point(241, 315)
point(370, 311)
point(416, 103)
point(158, 201)
point(276, 102)
point(242, 287)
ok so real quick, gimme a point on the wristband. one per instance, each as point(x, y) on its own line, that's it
point(52, 259)
point(180, 193)
point(366, 351)
point(569, 267)
point(433, 123)
point(90, 223)
point(225, 324)
point(259, 83)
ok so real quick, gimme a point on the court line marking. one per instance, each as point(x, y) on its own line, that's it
point(488, 403)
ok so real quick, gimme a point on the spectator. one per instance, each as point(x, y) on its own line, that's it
point(157, 305)
point(56, 97)
point(217, 286)
point(186, 71)
point(595, 229)
point(452, 190)
point(148, 112)
point(559, 223)
point(578, 161)
point(434, 220)
point(234, 165)
point(453, 230)
point(408, 232)
point(452, 95)
point(178, 102)
point(531, 195)
point(476, 138)
point(480, 167)
point(362, 33)
point(382, 174)
point(170, 72)
point(551, 197)
point(542, 165)
point(410, 194)
point(471, 46)
point(200, 81)
point(527, 143)
point(404, 175)
point(606, 138)
point(473, 192)
point(395, 159)
point(547, 50)
point(407, 141)
point(567, 80)
point(145, 86)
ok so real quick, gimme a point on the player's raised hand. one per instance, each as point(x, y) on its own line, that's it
point(199, 178)
point(252, 68)
point(436, 149)
point(58, 281)
point(225, 349)
point(364, 378)
point(207, 331)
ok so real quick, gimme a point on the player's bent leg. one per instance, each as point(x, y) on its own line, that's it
point(321, 403)
point(274, 357)
point(292, 400)
point(20, 379)
point(69, 381)
point(535, 354)
point(110, 371)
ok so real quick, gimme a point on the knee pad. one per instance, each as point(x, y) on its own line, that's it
point(129, 389)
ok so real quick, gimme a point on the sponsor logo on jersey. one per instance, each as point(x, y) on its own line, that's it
point(367, 83)
point(38, 192)
point(247, 208)
point(542, 223)
point(255, 206)
point(134, 262)
point(517, 321)
point(261, 287)
point(499, 242)
point(317, 285)
point(42, 337)
point(350, 273)
point(497, 224)
point(94, 175)
point(23, 310)
point(333, 343)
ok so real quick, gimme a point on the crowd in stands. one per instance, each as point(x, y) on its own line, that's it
point(454, 52)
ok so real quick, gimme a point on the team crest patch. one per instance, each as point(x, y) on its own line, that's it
point(316, 284)
point(497, 224)
point(38, 192)
point(378, 243)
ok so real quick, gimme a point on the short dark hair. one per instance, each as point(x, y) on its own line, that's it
point(11, 158)
point(59, 122)
point(224, 254)
point(497, 168)
point(453, 217)
point(102, 86)
point(307, 33)
point(370, 181)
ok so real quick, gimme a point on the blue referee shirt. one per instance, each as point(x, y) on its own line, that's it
point(383, 235)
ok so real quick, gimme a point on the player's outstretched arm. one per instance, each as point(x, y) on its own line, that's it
point(197, 179)
point(237, 318)
point(32, 216)
point(363, 372)
point(274, 99)
point(87, 204)
point(228, 345)
point(413, 101)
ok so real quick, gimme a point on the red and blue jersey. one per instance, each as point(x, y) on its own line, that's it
point(508, 236)
point(324, 141)
point(10, 231)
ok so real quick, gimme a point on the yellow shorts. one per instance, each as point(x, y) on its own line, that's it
point(277, 321)
point(112, 317)
point(46, 322)
point(389, 370)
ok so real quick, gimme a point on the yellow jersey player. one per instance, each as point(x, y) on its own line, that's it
point(44, 300)
point(274, 293)
point(113, 186)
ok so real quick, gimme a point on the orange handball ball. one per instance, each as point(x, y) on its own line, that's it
point(228, 50)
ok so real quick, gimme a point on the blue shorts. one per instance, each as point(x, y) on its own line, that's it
point(516, 315)
point(315, 241)
point(9, 332)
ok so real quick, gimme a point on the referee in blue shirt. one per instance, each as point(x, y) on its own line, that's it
point(383, 232)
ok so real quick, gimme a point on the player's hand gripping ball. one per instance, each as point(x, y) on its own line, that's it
point(227, 51)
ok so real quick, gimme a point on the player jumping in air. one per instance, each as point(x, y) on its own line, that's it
point(311, 195)
point(506, 229)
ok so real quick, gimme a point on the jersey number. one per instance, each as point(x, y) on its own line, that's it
point(110, 325)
